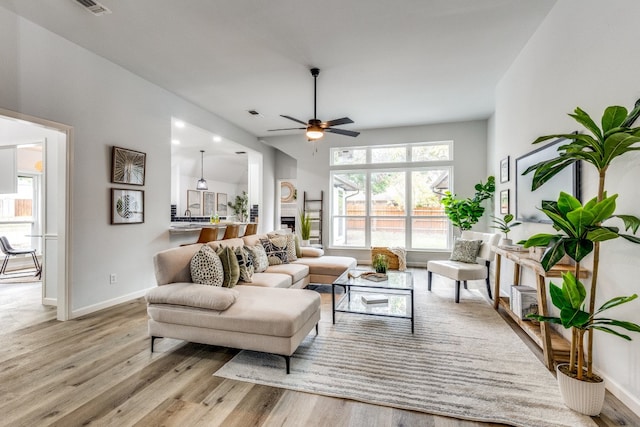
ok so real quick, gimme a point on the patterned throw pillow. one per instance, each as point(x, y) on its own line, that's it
point(276, 249)
point(230, 266)
point(245, 264)
point(259, 258)
point(466, 251)
point(206, 267)
point(290, 245)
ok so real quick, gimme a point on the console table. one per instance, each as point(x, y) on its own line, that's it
point(554, 346)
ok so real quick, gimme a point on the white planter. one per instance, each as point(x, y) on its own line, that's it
point(581, 396)
point(506, 242)
point(305, 243)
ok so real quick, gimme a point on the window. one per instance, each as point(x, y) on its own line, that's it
point(390, 196)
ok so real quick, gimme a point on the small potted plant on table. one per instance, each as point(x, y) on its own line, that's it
point(504, 224)
point(380, 263)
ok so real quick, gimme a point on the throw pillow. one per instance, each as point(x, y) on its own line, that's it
point(276, 249)
point(206, 267)
point(259, 256)
point(230, 266)
point(245, 265)
point(290, 243)
point(465, 250)
point(298, 249)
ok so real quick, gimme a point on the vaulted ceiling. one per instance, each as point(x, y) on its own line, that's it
point(383, 63)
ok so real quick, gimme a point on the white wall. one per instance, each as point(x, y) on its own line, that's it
point(46, 76)
point(470, 142)
point(584, 54)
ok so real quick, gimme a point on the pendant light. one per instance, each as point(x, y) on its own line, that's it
point(202, 184)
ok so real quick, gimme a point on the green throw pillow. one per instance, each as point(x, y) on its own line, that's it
point(230, 266)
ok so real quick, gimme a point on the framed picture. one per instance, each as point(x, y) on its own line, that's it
point(504, 202)
point(127, 166)
point(504, 170)
point(221, 206)
point(127, 206)
point(194, 202)
point(208, 203)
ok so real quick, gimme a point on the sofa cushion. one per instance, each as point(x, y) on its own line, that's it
point(296, 271)
point(193, 295)
point(233, 243)
point(174, 264)
point(276, 249)
point(272, 312)
point(327, 265)
point(230, 266)
point(259, 257)
point(206, 267)
point(245, 264)
point(309, 251)
point(271, 280)
point(465, 250)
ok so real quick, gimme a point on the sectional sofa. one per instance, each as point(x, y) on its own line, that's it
point(272, 314)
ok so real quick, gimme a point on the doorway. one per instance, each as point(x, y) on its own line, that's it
point(49, 180)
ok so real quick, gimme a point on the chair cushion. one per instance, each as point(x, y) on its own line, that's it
point(458, 270)
point(465, 250)
point(206, 267)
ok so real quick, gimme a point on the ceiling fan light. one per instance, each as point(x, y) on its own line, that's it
point(315, 132)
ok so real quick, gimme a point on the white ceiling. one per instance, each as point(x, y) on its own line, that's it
point(383, 63)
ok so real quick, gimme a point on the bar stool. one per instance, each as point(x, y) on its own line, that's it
point(231, 231)
point(207, 234)
point(8, 250)
point(252, 228)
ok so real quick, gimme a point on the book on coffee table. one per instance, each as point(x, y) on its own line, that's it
point(374, 298)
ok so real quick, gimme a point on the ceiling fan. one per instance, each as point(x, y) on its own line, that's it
point(316, 128)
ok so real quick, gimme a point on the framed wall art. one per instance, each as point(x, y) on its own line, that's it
point(127, 206)
point(208, 203)
point(221, 207)
point(504, 170)
point(504, 202)
point(127, 166)
point(194, 202)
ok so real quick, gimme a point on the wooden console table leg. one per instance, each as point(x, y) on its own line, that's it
point(547, 350)
point(496, 291)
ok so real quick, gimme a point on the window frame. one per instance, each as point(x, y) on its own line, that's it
point(408, 168)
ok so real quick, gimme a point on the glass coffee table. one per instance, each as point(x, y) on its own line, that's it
point(394, 295)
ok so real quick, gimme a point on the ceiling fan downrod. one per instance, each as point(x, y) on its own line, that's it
point(315, 72)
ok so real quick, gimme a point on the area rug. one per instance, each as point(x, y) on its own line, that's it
point(463, 361)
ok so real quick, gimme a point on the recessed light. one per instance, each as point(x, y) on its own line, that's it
point(175, 141)
point(217, 139)
point(179, 124)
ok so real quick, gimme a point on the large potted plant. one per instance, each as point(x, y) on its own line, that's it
point(464, 213)
point(240, 206)
point(581, 227)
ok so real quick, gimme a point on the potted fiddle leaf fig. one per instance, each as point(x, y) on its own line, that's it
point(581, 228)
point(505, 225)
point(464, 213)
point(240, 206)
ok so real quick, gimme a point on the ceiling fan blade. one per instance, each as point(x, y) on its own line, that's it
point(337, 122)
point(294, 119)
point(272, 130)
point(343, 132)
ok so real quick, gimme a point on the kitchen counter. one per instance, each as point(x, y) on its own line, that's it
point(188, 227)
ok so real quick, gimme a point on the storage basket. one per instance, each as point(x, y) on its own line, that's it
point(394, 264)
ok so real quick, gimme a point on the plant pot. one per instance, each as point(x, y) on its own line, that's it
point(305, 242)
point(382, 270)
point(506, 242)
point(581, 396)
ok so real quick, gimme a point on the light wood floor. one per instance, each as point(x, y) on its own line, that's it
point(98, 370)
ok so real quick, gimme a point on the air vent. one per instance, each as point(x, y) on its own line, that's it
point(94, 7)
point(253, 112)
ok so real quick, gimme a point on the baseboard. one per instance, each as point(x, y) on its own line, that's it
point(623, 395)
point(50, 301)
point(106, 304)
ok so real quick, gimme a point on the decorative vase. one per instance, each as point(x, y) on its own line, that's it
point(581, 396)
